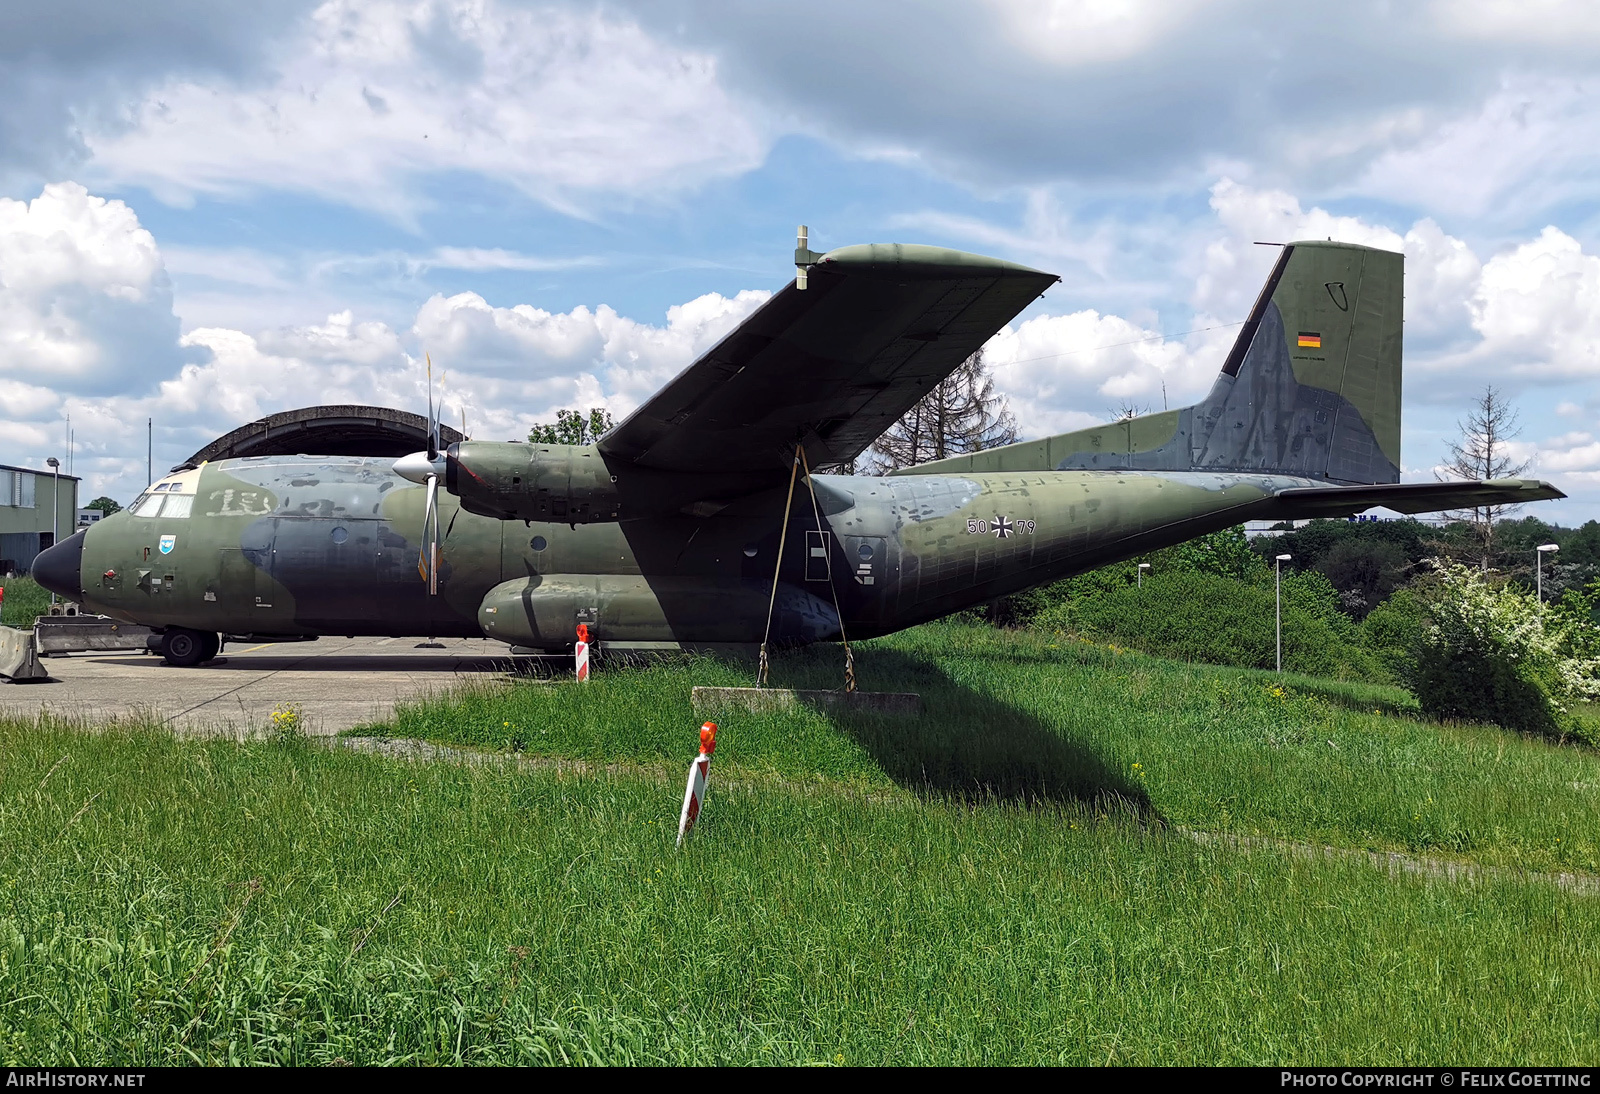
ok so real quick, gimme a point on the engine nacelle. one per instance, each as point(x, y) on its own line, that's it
point(560, 483)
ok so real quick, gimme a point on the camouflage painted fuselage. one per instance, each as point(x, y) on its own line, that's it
point(670, 528)
point(329, 545)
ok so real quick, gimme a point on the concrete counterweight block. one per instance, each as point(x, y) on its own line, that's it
point(762, 700)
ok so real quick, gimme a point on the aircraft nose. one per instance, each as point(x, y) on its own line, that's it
point(417, 467)
point(58, 568)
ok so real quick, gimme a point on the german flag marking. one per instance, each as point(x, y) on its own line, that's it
point(1310, 340)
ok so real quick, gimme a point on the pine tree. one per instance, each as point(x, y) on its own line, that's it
point(960, 414)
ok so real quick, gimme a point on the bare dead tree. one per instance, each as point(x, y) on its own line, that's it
point(1483, 452)
point(960, 414)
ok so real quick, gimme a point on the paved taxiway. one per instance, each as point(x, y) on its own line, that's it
point(336, 683)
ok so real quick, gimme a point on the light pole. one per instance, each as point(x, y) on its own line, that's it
point(1538, 564)
point(55, 508)
point(1277, 588)
point(1139, 580)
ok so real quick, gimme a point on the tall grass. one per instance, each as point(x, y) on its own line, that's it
point(1020, 716)
point(165, 901)
point(24, 602)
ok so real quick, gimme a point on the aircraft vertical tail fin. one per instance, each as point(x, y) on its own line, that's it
point(1310, 388)
point(1312, 384)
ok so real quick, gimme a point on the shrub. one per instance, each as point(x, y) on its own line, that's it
point(1393, 630)
point(1198, 616)
point(1491, 652)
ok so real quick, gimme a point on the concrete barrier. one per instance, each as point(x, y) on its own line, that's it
point(19, 660)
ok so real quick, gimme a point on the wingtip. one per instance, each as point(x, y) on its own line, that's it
point(1538, 489)
point(919, 259)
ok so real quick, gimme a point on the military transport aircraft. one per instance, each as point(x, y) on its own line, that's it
point(688, 526)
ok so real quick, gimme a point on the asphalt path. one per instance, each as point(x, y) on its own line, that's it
point(336, 683)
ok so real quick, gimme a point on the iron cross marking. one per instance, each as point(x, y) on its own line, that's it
point(1001, 527)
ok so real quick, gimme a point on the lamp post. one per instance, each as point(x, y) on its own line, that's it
point(1277, 588)
point(55, 508)
point(1538, 564)
point(1139, 580)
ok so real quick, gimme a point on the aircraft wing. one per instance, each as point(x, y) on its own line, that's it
point(1412, 497)
point(830, 366)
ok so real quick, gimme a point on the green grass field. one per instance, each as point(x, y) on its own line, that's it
point(1014, 877)
point(24, 602)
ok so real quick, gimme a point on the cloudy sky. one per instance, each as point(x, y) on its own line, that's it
point(211, 210)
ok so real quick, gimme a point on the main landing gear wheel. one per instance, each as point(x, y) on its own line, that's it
point(186, 648)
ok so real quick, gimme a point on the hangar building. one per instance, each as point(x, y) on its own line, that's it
point(34, 506)
point(325, 431)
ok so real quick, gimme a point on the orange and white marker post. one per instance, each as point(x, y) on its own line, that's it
point(581, 650)
point(694, 795)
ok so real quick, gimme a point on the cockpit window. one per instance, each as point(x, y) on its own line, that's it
point(166, 506)
point(160, 486)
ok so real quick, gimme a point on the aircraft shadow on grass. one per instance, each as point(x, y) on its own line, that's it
point(966, 745)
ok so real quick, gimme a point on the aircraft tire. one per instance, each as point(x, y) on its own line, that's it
point(183, 647)
point(211, 644)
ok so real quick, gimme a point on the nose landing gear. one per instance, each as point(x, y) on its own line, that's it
point(186, 648)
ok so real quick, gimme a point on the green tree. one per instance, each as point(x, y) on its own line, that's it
point(105, 505)
point(573, 427)
point(1226, 553)
point(1365, 560)
point(1583, 545)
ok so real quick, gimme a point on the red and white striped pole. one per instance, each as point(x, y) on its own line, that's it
point(581, 650)
point(694, 795)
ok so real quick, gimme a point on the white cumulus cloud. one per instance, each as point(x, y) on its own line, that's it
point(85, 303)
point(1062, 372)
point(369, 97)
point(1537, 307)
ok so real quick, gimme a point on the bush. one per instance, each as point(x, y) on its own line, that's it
point(1197, 616)
point(1491, 652)
point(1393, 630)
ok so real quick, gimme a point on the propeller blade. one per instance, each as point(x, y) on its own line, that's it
point(428, 555)
point(433, 426)
point(433, 545)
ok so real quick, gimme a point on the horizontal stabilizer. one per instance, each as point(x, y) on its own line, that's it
point(1411, 497)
